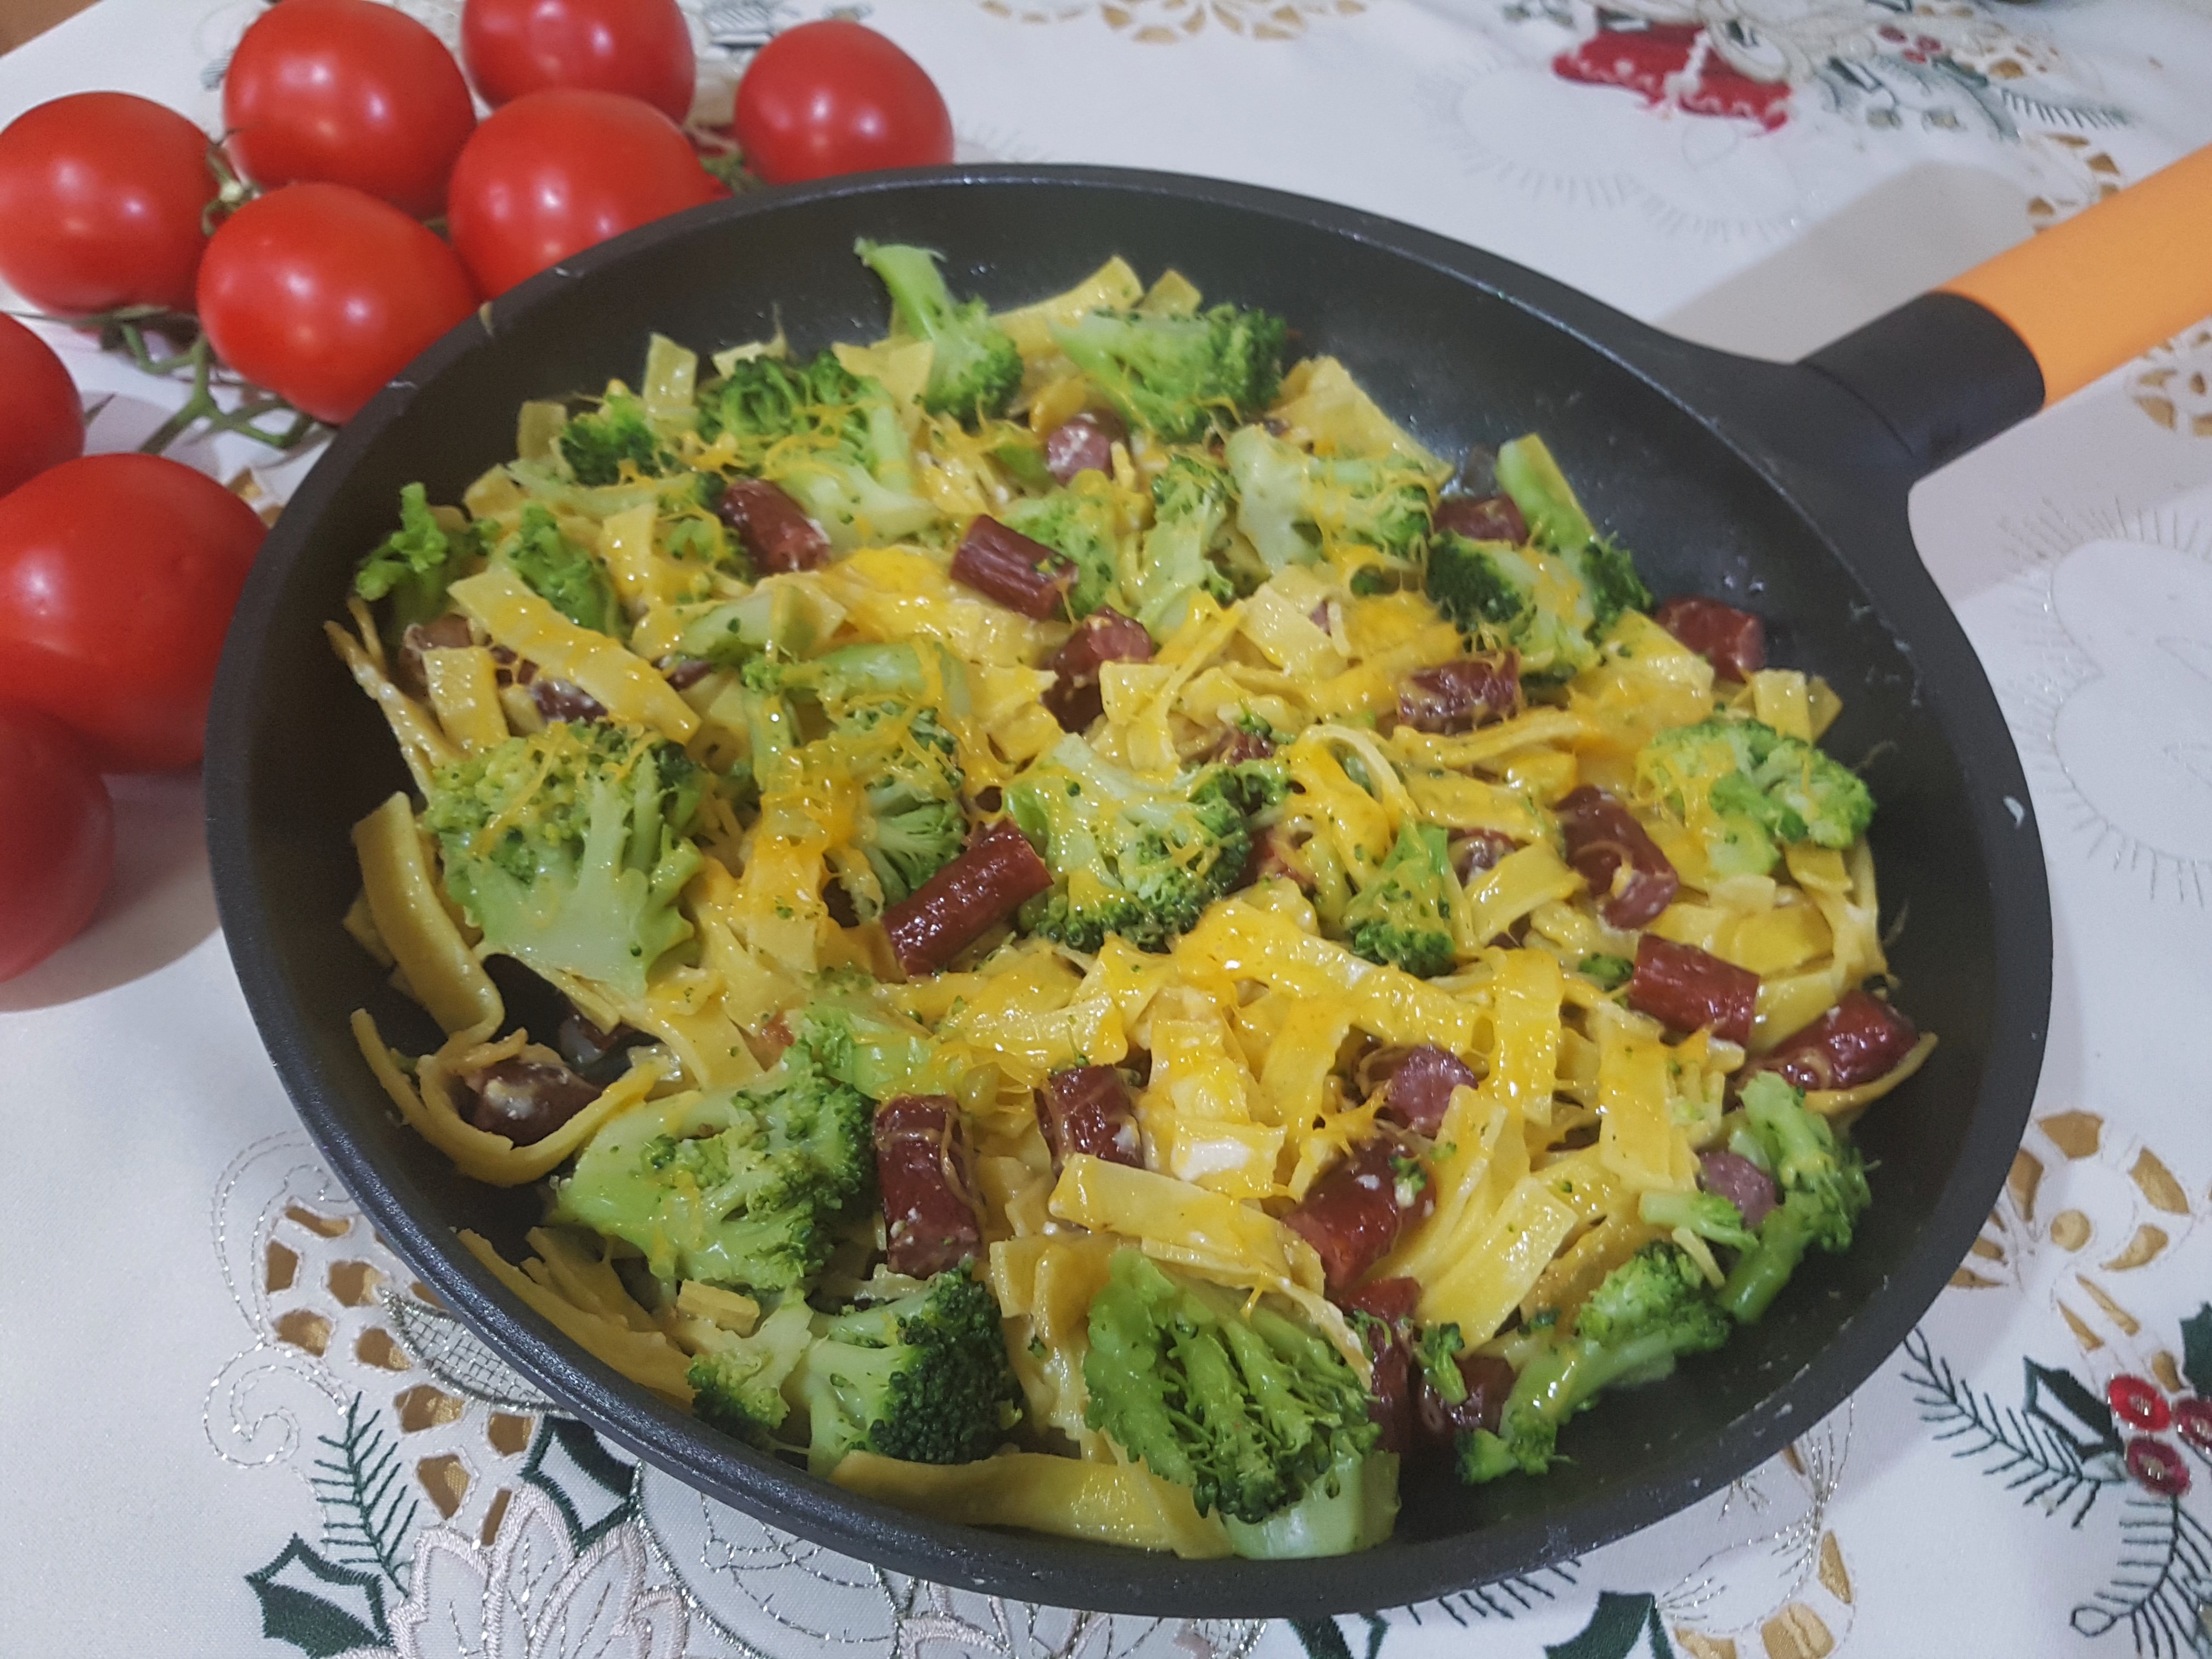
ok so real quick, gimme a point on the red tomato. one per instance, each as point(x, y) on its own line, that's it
point(101, 194)
point(117, 574)
point(834, 97)
point(57, 838)
point(641, 47)
point(555, 172)
point(322, 293)
point(41, 419)
point(346, 92)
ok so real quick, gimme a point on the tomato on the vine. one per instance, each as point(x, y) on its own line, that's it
point(118, 576)
point(555, 172)
point(346, 92)
point(834, 97)
point(101, 194)
point(41, 419)
point(322, 293)
point(641, 47)
point(57, 838)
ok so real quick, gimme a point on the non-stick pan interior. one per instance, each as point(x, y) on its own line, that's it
point(298, 754)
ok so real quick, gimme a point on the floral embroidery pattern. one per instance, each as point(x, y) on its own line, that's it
point(550, 1585)
point(766, 1593)
point(1164, 21)
point(2173, 385)
point(2116, 1443)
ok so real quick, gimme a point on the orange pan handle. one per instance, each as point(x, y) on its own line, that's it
point(2110, 283)
point(1954, 368)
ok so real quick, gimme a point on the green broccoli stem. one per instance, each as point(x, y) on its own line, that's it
point(843, 1387)
point(920, 302)
point(1557, 1383)
point(1761, 1272)
point(1527, 473)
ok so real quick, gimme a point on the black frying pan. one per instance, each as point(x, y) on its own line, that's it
point(1779, 488)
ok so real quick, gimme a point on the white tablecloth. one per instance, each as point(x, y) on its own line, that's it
point(226, 1430)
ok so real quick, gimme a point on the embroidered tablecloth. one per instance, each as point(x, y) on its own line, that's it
point(226, 1426)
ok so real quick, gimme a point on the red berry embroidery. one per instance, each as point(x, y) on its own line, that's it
point(2192, 1420)
point(2157, 1466)
point(2138, 1403)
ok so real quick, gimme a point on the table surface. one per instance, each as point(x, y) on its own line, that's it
point(219, 1436)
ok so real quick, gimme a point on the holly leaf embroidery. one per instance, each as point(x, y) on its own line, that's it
point(1615, 1629)
point(2196, 1349)
point(588, 1484)
point(2064, 1402)
point(311, 1622)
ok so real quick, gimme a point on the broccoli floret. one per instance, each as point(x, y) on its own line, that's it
point(1083, 524)
point(923, 1377)
point(1294, 508)
point(1128, 856)
point(417, 562)
point(1652, 1308)
point(596, 444)
point(830, 439)
point(1657, 1293)
point(1516, 598)
point(763, 401)
point(1436, 1351)
point(1476, 585)
point(1403, 914)
point(1556, 523)
point(1251, 787)
point(563, 575)
point(1710, 1216)
point(736, 1186)
point(1249, 1409)
point(885, 735)
point(568, 848)
point(912, 824)
point(1824, 1193)
point(1609, 577)
point(737, 1382)
point(1176, 377)
point(1746, 790)
point(1191, 502)
point(881, 1053)
point(974, 367)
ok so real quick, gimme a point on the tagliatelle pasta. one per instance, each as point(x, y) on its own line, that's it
point(1128, 943)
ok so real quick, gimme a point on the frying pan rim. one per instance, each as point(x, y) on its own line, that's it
point(1108, 1579)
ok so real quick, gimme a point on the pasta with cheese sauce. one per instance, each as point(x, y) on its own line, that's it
point(1058, 833)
